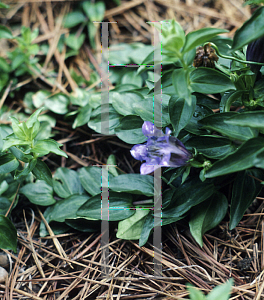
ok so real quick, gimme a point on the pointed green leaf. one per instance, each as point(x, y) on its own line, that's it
point(66, 183)
point(39, 193)
point(131, 228)
point(200, 36)
point(8, 234)
point(181, 112)
point(243, 158)
point(253, 119)
point(242, 195)
point(251, 30)
point(207, 215)
point(8, 163)
point(43, 147)
point(221, 292)
point(42, 172)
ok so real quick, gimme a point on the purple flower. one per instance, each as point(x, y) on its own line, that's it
point(160, 150)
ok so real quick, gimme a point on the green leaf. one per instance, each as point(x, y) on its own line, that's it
point(73, 18)
point(180, 80)
point(132, 78)
point(94, 11)
point(57, 104)
point(243, 158)
point(39, 193)
point(181, 112)
point(66, 183)
point(210, 81)
point(111, 164)
point(11, 141)
point(253, 119)
point(5, 33)
point(84, 225)
point(131, 228)
point(91, 179)
point(207, 215)
point(147, 227)
point(18, 61)
point(215, 147)
point(119, 207)
point(200, 36)
point(43, 147)
point(130, 130)
point(133, 183)
point(75, 42)
point(123, 102)
point(189, 194)
point(195, 294)
point(83, 116)
point(217, 123)
point(8, 234)
point(20, 129)
point(242, 195)
point(4, 205)
point(3, 5)
point(194, 126)
point(33, 118)
point(42, 172)
point(104, 117)
point(30, 166)
point(67, 208)
point(221, 292)
point(8, 163)
point(251, 30)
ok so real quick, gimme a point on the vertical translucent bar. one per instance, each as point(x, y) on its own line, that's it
point(157, 111)
point(105, 220)
point(104, 80)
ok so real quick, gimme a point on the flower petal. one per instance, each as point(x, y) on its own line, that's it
point(146, 168)
point(139, 152)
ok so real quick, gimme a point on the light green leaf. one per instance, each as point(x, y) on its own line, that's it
point(131, 228)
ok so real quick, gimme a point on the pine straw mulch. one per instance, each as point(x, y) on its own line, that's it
point(68, 266)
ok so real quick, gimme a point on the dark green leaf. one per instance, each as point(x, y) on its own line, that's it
point(211, 146)
point(119, 207)
point(180, 80)
point(104, 118)
point(217, 122)
point(84, 225)
point(210, 81)
point(66, 183)
point(4, 205)
point(200, 36)
point(242, 195)
point(75, 42)
point(133, 183)
point(251, 30)
point(8, 163)
point(207, 215)
point(67, 208)
point(42, 172)
point(253, 119)
point(243, 158)
point(181, 112)
point(29, 167)
point(130, 130)
point(91, 179)
point(39, 193)
point(8, 234)
point(189, 194)
point(147, 228)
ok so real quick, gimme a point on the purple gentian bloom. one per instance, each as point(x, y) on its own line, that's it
point(160, 150)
